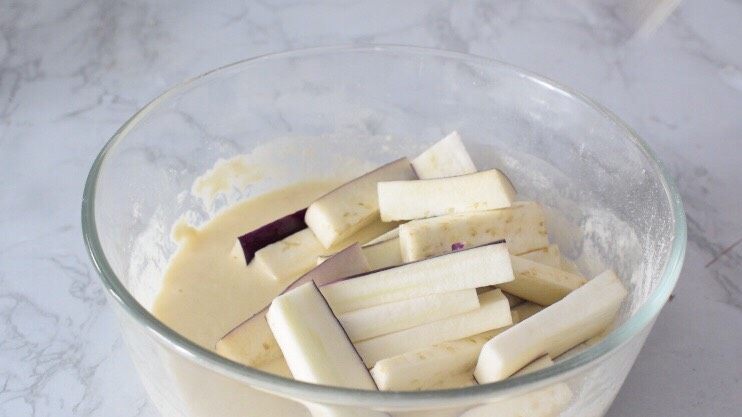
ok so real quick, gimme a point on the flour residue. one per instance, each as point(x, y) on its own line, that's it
point(227, 175)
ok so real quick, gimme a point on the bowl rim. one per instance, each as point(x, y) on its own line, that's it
point(274, 384)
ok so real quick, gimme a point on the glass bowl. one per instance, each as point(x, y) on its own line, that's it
point(329, 112)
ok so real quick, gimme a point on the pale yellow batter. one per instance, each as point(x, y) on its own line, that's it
point(206, 292)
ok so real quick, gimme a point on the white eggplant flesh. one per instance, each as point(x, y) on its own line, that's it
point(251, 343)
point(446, 158)
point(493, 314)
point(540, 283)
point(384, 254)
point(473, 268)
point(392, 317)
point(290, 257)
point(524, 310)
point(420, 199)
point(550, 256)
point(523, 226)
point(582, 314)
point(313, 342)
point(352, 206)
point(277, 367)
point(434, 366)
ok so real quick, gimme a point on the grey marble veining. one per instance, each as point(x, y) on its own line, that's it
point(72, 71)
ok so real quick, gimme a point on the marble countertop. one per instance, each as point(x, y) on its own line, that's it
point(72, 71)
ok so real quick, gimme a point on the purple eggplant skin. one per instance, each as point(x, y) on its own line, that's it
point(272, 232)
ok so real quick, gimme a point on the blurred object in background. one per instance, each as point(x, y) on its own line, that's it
point(645, 16)
point(628, 20)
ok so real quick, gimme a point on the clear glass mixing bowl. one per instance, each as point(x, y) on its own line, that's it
point(315, 113)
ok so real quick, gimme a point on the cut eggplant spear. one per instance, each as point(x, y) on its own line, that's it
point(432, 366)
point(392, 317)
point(466, 269)
point(420, 199)
point(493, 313)
point(253, 241)
point(252, 343)
point(539, 283)
point(523, 226)
point(315, 346)
point(582, 314)
point(447, 158)
point(347, 209)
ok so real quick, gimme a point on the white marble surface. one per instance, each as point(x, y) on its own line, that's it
point(71, 71)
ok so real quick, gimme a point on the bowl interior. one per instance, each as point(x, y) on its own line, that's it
point(339, 112)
